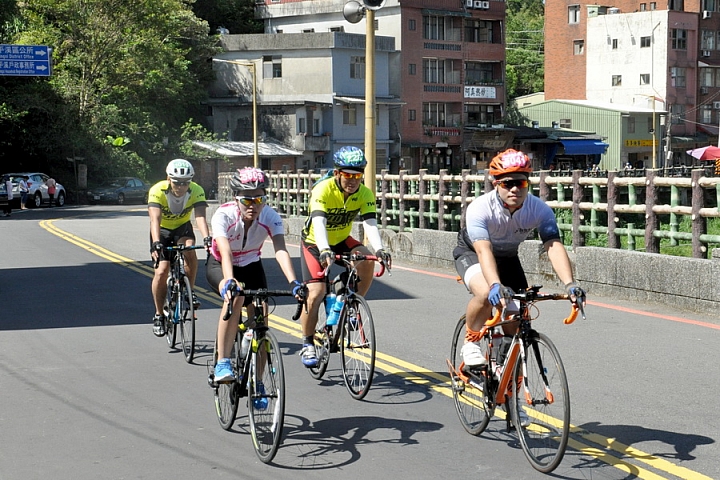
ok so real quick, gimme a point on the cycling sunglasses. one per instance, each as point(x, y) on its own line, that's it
point(354, 176)
point(509, 184)
point(180, 184)
point(247, 201)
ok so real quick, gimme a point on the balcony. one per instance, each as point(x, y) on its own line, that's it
point(442, 131)
point(314, 143)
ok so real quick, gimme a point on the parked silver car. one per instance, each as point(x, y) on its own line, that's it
point(37, 191)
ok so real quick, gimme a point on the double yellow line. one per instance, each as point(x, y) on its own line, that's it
point(598, 446)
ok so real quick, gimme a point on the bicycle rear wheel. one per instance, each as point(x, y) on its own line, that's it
point(227, 395)
point(266, 403)
point(544, 436)
point(358, 346)
point(469, 398)
point(170, 305)
point(187, 320)
point(322, 344)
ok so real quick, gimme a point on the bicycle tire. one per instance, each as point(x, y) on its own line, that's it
point(358, 346)
point(322, 337)
point(227, 395)
point(469, 400)
point(187, 321)
point(266, 405)
point(170, 331)
point(545, 439)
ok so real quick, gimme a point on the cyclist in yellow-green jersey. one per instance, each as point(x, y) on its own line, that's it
point(170, 206)
point(334, 203)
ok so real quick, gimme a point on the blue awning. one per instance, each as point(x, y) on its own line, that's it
point(584, 147)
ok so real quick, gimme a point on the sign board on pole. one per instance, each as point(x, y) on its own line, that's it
point(25, 60)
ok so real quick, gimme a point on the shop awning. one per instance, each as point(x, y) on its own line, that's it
point(583, 147)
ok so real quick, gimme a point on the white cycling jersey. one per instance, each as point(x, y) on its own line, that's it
point(487, 218)
point(246, 246)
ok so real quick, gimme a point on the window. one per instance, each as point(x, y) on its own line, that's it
point(349, 114)
point(677, 114)
point(412, 115)
point(578, 47)
point(357, 67)
point(478, 73)
point(301, 125)
point(433, 70)
point(644, 79)
point(653, 5)
point(677, 76)
point(478, 114)
point(706, 114)
point(412, 69)
point(677, 5)
point(643, 7)
point(706, 77)
point(679, 39)
point(337, 29)
point(412, 24)
point(631, 125)
point(617, 80)
point(316, 126)
point(308, 30)
point(565, 123)
point(442, 28)
point(708, 5)
point(707, 40)
point(478, 31)
point(574, 14)
point(614, 43)
point(645, 42)
point(272, 66)
point(434, 114)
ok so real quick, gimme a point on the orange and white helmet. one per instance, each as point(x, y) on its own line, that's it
point(509, 161)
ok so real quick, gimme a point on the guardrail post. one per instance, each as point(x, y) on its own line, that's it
point(652, 243)
point(421, 203)
point(578, 239)
point(544, 188)
point(699, 223)
point(464, 189)
point(674, 202)
point(402, 187)
point(442, 189)
point(612, 198)
point(383, 198)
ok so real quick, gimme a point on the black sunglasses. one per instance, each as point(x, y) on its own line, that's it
point(512, 183)
point(181, 184)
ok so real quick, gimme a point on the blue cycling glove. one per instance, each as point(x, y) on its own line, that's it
point(498, 292)
point(230, 286)
point(574, 289)
point(297, 288)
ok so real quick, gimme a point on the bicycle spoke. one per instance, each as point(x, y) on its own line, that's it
point(358, 347)
point(227, 395)
point(187, 321)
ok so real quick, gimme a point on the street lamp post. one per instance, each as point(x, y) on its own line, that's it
point(251, 65)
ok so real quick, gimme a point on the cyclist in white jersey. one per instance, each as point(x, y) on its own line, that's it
point(486, 256)
point(239, 230)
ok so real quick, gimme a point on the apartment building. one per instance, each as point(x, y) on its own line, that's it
point(449, 71)
point(641, 55)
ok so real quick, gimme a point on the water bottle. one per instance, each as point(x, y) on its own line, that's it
point(336, 309)
point(245, 344)
point(497, 336)
point(502, 353)
point(329, 302)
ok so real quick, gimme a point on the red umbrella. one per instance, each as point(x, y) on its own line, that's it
point(710, 152)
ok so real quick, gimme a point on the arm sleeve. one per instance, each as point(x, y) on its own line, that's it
point(321, 238)
point(373, 234)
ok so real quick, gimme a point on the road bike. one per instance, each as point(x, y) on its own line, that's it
point(354, 334)
point(524, 373)
point(179, 309)
point(259, 376)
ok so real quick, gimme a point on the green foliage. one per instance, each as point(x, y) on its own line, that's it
point(524, 48)
point(238, 16)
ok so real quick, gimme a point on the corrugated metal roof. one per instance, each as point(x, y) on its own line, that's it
point(246, 149)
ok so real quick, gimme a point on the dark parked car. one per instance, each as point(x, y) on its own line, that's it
point(120, 190)
point(37, 194)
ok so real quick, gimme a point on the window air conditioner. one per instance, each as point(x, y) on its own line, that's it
point(706, 53)
point(716, 105)
point(707, 14)
point(486, 5)
point(468, 3)
point(477, 4)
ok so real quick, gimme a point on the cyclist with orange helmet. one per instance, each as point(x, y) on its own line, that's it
point(486, 256)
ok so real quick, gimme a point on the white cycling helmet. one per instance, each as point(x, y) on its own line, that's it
point(180, 169)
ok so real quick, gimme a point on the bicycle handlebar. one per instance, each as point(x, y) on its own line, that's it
point(354, 257)
point(532, 295)
point(263, 294)
point(178, 248)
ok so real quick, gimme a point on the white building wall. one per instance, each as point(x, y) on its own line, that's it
point(628, 59)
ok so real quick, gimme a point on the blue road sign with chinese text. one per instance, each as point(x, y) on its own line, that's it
point(25, 60)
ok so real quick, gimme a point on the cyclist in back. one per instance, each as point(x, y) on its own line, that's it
point(486, 256)
point(335, 201)
point(239, 230)
point(170, 206)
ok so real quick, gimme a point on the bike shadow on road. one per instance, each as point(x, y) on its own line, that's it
point(335, 442)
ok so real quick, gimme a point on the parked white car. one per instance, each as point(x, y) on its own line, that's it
point(37, 191)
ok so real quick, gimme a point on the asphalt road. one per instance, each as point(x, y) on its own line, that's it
point(87, 392)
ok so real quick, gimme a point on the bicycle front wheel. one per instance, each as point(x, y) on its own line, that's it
point(469, 398)
point(322, 343)
point(544, 398)
point(187, 320)
point(358, 346)
point(266, 404)
point(227, 395)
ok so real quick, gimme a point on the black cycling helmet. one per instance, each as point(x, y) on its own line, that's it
point(350, 158)
point(248, 178)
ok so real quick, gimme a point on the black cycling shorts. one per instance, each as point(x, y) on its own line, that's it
point(252, 275)
point(170, 238)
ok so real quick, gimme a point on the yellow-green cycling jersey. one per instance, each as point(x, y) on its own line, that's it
point(181, 209)
point(326, 199)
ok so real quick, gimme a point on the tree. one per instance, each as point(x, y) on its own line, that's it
point(237, 16)
point(525, 48)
